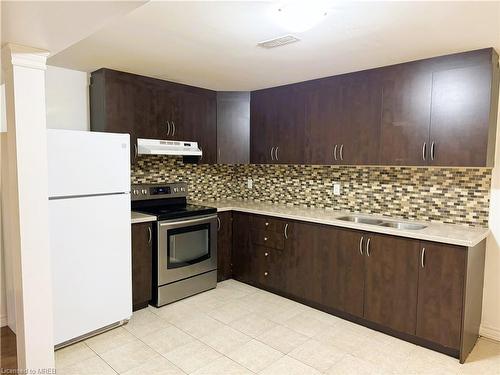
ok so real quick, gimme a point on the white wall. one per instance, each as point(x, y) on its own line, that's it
point(490, 324)
point(67, 99)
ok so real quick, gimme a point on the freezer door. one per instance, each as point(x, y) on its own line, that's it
point(87, 163)
point(90, 243)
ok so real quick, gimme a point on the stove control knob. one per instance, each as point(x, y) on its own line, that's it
point(183, 189)
point(135, 192)
point(144, 191)
point(176, 190)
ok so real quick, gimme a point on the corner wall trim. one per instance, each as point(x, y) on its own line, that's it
point(490, 332)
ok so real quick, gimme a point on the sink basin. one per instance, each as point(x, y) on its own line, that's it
point(404, 226)
point(361, 220)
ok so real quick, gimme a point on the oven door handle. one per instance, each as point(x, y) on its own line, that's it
point(188, 222)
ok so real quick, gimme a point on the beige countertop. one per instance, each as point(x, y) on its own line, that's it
point(444, 233)
point(139, 217)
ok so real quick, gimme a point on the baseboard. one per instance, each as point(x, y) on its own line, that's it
point(490, 332)
point(3, 320)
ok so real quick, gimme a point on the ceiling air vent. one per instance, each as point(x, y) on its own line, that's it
point(276, 42)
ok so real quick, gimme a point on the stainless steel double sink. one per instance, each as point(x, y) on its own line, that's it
point(382, 223)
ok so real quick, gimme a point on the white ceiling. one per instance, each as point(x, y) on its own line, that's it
point(213, 44)
point(56, 25)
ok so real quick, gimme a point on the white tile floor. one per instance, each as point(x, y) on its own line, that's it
point(237, 329)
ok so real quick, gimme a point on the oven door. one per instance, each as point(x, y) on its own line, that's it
point(186, 248)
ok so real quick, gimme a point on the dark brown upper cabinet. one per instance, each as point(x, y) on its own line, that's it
point(405, 115)
point(277, 131)
point(151, 108)
point(233, 127)
point(440, 111)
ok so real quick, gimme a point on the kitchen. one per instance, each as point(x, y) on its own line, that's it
point(334, 219)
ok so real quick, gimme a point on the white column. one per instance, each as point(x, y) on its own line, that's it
point(27, 240)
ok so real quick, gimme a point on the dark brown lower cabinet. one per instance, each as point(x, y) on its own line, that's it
point(391, 278)
point(224, 245)
point(142, 265)
point(431, 297)
point(441, 275)
point(344, 272)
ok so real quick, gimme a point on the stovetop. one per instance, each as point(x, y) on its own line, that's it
point(167, 212)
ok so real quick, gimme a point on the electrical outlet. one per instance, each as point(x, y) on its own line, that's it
point(249, 183)
point(336, 188)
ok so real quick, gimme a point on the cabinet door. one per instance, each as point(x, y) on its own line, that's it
point(391, 278)
point(344, 270)
point(405, 120)
point(304, 261)
point(361, 106)
point(146, 124)
point(461, 100)
point(224, 245)
point(263, 125)
point(290, 126)
point(243, 258)
point(142, 264)
point(233, 127)
point(198, 121)
point(323, 122)
point(440, 293)
point(165, 112)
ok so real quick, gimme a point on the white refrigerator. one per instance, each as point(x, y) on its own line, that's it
point(90, 232)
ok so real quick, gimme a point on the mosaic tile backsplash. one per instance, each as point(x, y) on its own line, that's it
point(445, 195)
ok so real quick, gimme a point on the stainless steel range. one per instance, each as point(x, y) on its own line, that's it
point(184, 241)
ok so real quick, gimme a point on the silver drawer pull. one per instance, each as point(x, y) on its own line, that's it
point(368, 247)
point(361, 245)
point(272, 156)
point(424, 150)
point(265, 274)
point(150, 235)
point(342, 151)
point(265, 238)
point(168, 127)
point(266, 254)
point(218, 224)
point(433, 147)
point(267, 224)
point(276, 153)
point(422, 258)
point(286, 231)
point(173, 126)
point(335, 153)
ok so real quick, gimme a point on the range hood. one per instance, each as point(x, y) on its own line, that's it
point(164, 147)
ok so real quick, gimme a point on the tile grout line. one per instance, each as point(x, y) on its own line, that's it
point(109, 365)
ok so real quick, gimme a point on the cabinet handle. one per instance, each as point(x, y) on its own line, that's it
point(150, 235)
point(136, 152)
point(266, 254)
point(267, 223)
point(432, 150)
point(286, 231)
point(265, 238)
point(368, 247)
point(218, 153)
point(422, 258)
point(201, 149)
point(335, 153)
point(168, 127)
point(361, 245)
point(276, 153)
point(265, 274)
point(424, 150)
point(342, 151)
point(173, 126)
point(272, 156)
point(218, 224)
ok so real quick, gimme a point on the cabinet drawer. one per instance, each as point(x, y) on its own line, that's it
point(268, 239)
point(268, 224)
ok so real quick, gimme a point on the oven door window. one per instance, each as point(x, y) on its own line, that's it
point(188, 245)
